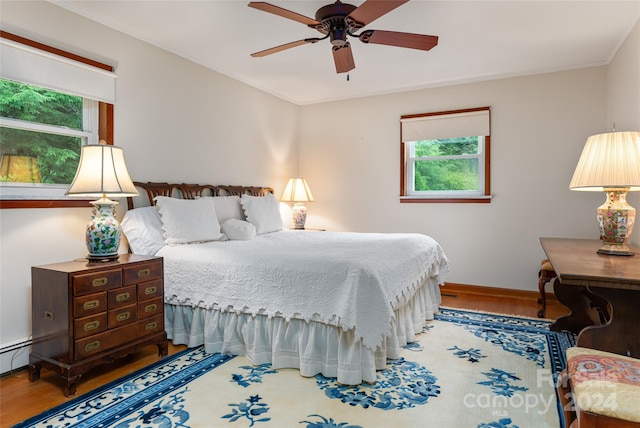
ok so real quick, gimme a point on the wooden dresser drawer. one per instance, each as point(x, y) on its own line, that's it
point(150, 308)
point(105, 340)
point(89, 304)
point(123, 316)
point(150, 325)
point(142, 272)
point(111, 338)
point(97, 281)
point(122, 296)
point(149, 290)
point(87, 326)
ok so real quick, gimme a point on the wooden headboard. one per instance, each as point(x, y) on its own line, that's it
point(189, 191)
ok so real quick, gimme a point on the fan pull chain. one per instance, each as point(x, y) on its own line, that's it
point(347, 77)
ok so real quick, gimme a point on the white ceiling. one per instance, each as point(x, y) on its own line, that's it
point(479, 40)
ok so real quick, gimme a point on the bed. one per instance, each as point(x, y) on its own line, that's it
point(332, 303)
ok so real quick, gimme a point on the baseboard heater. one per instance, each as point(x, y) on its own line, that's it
point(16, 345)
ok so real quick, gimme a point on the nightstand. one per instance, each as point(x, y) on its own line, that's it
point(85, 314)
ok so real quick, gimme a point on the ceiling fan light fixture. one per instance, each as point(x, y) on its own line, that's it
point(338, 37)
point(338, 20)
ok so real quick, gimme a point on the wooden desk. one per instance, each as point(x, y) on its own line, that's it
point(584, 275)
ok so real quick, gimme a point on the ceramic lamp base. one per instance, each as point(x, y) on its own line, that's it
point(299, 215)
point(103, 231)
point(615, 219)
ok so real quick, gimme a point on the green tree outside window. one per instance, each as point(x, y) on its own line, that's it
point(444, 165)
point(57, 155)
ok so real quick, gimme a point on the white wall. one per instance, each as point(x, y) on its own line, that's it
point(623, 100)
point(349, 153)
point(176, 121)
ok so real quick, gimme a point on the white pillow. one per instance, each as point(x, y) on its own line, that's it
point(228, 207)
point(263, 212)
point(143, 229)
point(188, 220)
point(236, 229)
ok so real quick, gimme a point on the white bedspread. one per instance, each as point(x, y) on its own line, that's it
point(351, 280)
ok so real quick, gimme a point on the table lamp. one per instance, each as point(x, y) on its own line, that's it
point(297, 191)
point(102, 173)
point(610, 163)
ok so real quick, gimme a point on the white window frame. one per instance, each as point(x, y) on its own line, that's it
point(410, 173)
point(88, 135)
point(28, 61)
point(442, 126)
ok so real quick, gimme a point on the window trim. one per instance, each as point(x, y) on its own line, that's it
point(105, 126)
point(483, 199)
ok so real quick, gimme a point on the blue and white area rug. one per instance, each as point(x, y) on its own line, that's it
point(468, 369)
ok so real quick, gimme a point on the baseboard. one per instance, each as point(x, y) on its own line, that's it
point(453, 289)
point(14, 355)
point(15, 345)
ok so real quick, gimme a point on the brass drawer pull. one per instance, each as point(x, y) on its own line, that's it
point(123, 316)
point(92, 346)
point(144, 272)
point(150, 308)
point(151, 326)
point(100, 282)
point(91, 325)
point(91, 304)
point(123, 297)
point(150, 290)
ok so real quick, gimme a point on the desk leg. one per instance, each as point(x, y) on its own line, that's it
point(579, 299)
point(620, 334)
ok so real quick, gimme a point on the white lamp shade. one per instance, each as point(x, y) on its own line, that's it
point(297, 190)
point(609, 161)
point(102, 171)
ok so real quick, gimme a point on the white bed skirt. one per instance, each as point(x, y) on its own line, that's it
point(312, 347)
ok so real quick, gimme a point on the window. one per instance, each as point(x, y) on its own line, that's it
point(42, 133)
point(51, 104)
point(445, 156)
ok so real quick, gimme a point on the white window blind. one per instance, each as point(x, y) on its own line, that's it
point(467, 124)
point(25, 64)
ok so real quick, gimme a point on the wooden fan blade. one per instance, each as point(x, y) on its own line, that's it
point(276, 10)
point(371, 10)
point(283, 47)
point(403, 40)
point(343, 58)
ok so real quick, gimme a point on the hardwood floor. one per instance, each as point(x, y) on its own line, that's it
point(21, 399)
point(500, 300)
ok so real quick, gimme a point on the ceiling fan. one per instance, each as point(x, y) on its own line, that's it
point(339, 20)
